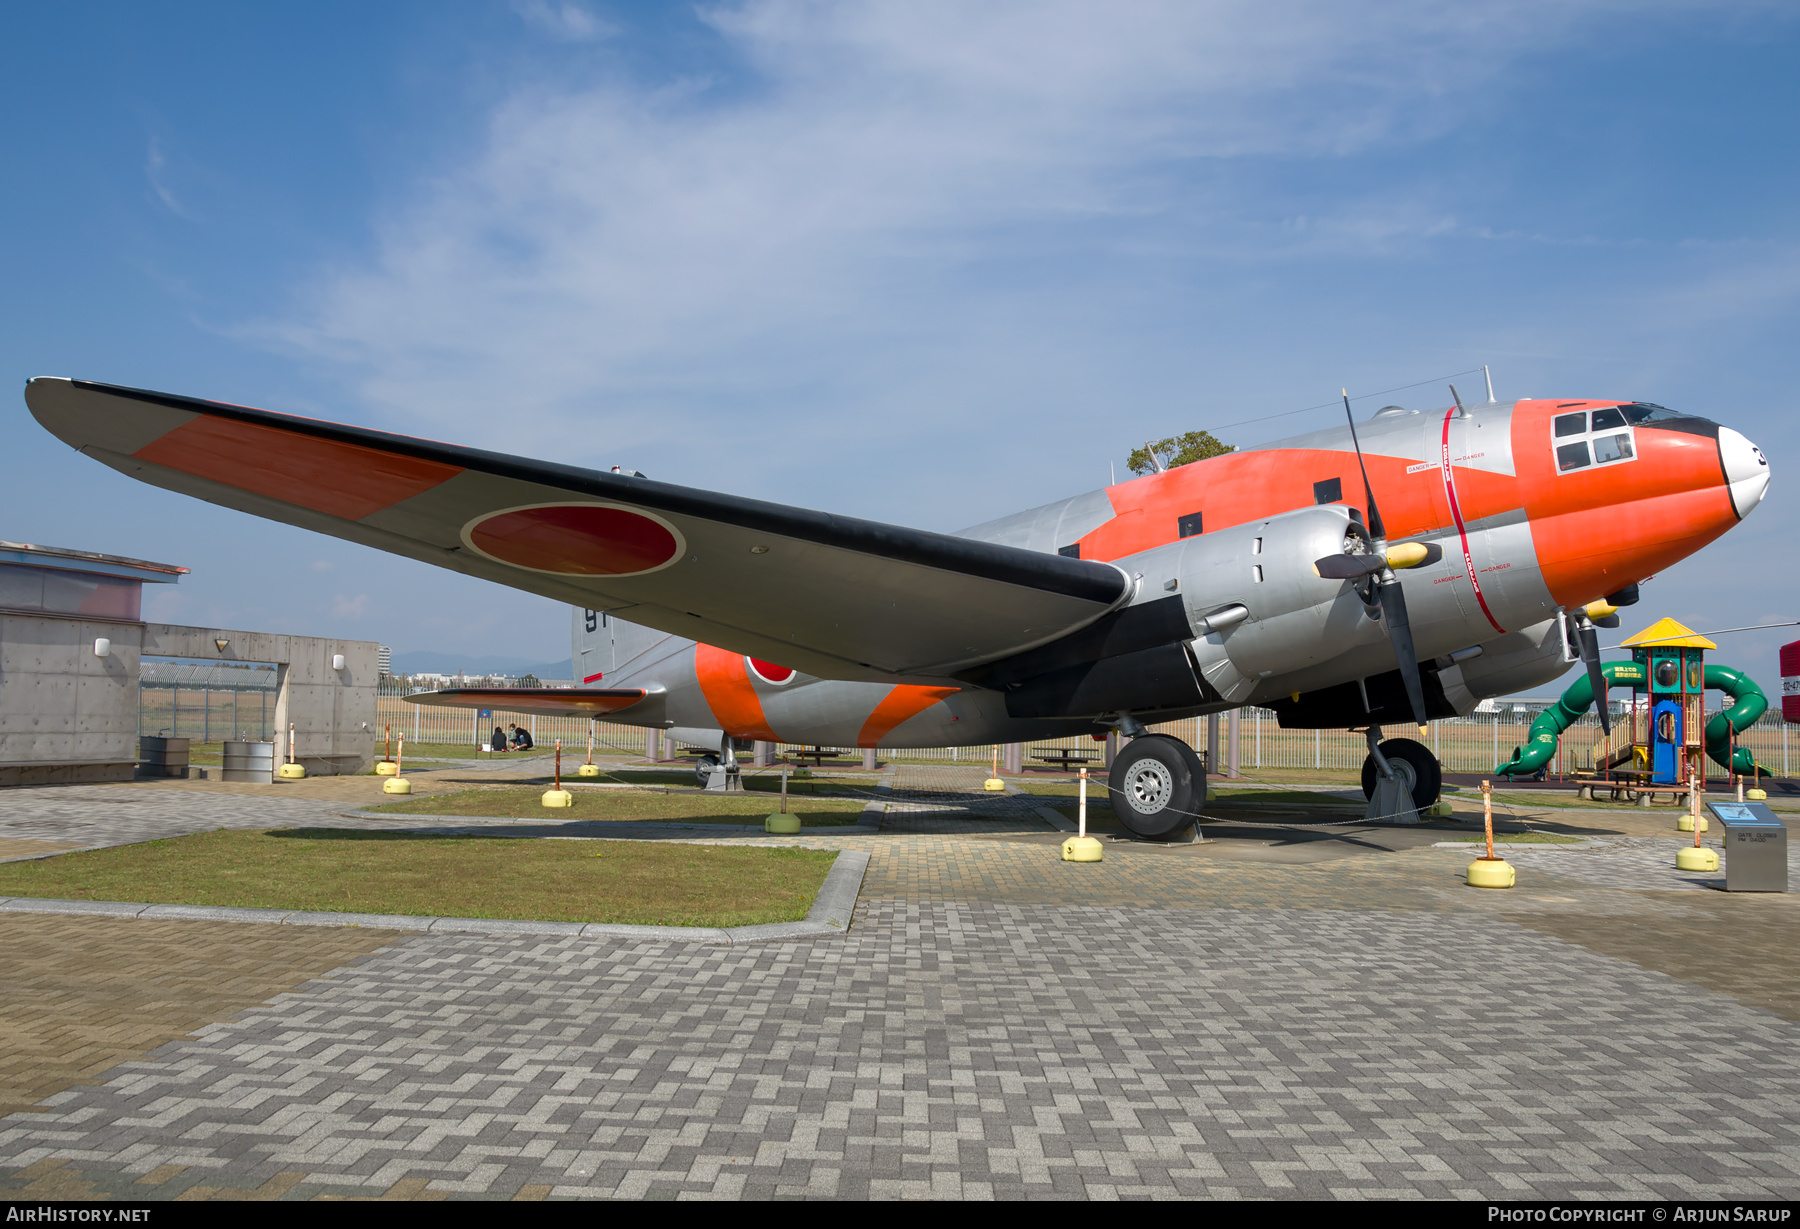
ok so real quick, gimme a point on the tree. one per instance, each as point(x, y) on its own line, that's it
point(530, 680)
point(1177, 450)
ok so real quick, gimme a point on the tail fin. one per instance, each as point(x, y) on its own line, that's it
point(605, 647)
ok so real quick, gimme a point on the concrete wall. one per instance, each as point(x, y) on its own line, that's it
point(332, 711)
point(66, 715)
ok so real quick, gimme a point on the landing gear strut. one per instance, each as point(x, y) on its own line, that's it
point(1157, 786)
point(720, 772)
point(1412, 781)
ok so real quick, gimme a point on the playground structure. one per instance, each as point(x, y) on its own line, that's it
point(1668, 731)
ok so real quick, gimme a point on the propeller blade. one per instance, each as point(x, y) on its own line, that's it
point(1589, 640)
point(1399, 630)
point(1348, 567)
point(1376, 529)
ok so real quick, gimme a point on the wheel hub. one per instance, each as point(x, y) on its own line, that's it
point(1149, 786)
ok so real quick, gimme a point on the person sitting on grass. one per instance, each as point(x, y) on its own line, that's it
point(521, 738)
point(498, 743)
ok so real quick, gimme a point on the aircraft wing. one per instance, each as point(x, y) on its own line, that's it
point(829, 595)
point(549, 701)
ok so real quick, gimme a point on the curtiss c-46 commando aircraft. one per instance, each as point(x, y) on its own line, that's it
point(1386, 572)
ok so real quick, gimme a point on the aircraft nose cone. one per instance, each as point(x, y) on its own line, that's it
point(1746, 471)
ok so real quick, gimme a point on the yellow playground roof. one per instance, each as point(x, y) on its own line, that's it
point(1667, 633)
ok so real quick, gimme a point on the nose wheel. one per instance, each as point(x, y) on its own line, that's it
point(1410, 759)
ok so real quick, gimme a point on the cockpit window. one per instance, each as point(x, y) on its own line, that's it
point(1611, 447)
point(1643, 411)
point(1582, 441)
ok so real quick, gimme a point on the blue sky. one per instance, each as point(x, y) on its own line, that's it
point(927, 263)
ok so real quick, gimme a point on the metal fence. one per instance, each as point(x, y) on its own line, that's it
point(1475, 743)
point(207, 703)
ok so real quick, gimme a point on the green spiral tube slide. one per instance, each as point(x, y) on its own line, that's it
point(1749, 704)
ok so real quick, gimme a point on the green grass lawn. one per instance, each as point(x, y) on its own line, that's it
point(613, 804)
point(756, 780)
point(346, 871)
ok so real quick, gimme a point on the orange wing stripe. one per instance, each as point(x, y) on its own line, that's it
point(725, 682)
point(902, 702)
point(338, 479)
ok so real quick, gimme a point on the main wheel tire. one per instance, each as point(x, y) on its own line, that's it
point(1157, 787)
point(703, 768)
point(1428, 774)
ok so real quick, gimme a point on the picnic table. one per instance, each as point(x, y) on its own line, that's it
point(818, 756)
point(1065, 757)
point(1627, 787)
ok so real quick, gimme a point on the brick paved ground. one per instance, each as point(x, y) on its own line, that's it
point(80, 994)
point(1172, 1021)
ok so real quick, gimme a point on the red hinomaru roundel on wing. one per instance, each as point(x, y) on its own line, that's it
point(770, 673)
point(576, 539)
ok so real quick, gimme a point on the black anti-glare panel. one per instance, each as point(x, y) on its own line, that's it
point(1188, 526)
point(1071, 551)
point(1330, 491)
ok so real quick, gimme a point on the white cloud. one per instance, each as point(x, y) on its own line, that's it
point(568, 23)
point(156, 175)
point(350, 607)
point(867, 219)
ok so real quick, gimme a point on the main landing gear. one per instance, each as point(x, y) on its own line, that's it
point(1417, 779)
point(1158, 788)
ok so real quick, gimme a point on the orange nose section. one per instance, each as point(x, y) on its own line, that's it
point(1616, 492)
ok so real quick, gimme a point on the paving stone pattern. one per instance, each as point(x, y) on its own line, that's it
point(955, 1050)
point(1634, 862)
point(997, 1023)
point(80, 994)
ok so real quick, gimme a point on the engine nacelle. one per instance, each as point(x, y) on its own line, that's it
point(1291, 619)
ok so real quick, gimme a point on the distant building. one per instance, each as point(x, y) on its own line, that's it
point(74, 680)
point(71, 626)
point(384, 661)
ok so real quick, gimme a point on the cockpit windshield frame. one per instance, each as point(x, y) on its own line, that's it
point(1597, 436)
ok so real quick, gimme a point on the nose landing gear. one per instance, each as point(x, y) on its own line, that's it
point(1416, 781)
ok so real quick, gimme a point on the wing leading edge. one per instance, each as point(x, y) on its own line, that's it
point(834, 596)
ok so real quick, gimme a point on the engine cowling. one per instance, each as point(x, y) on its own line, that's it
point(1290, 618)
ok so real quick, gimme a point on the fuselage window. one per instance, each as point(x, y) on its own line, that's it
point(1605, 438)
point(1330, 491)
point(1189, 525)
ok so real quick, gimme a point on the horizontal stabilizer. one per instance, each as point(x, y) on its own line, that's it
point(550, 701)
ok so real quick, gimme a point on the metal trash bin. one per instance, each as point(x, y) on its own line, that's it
point(162, 757)
point(1755, 847)
point(247, 761)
